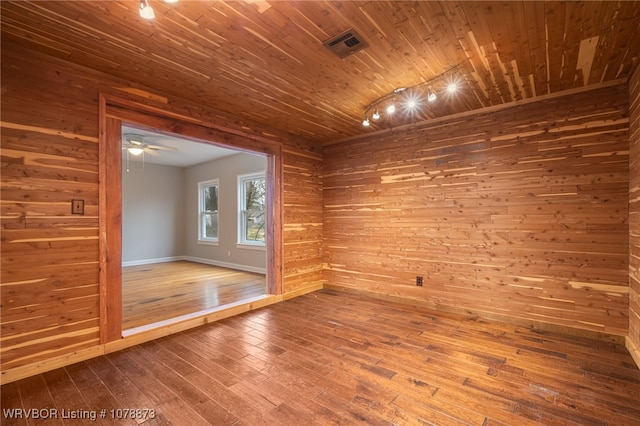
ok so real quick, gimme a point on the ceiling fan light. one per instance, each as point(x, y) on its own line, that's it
point(146, 11)
point(135, 151)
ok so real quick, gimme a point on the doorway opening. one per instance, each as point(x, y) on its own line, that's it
point(193, 227)
point(260, 231)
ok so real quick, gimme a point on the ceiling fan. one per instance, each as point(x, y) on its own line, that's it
point(135, 144)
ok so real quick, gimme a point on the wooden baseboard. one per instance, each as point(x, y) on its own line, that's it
point(303, 290)
point(634, 350)
point(521, 322)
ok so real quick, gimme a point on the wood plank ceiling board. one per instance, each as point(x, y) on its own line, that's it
point(264, 61)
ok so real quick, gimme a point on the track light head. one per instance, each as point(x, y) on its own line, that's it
point(146, 11)
point(391, 108)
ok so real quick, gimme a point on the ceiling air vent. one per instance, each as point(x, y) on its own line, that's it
point(346, 43)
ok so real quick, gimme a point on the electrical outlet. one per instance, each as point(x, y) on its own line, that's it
point(77, 206)
point(419, 281)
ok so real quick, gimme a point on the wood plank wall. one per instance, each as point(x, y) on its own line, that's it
point(302, 221)
point(49, 269)
point(634, 215)
point(518, 213)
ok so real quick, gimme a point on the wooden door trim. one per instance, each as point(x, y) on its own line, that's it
point(113, 112)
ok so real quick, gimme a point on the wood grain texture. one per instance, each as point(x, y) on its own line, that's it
point(634, 215)
point(521, 212)
point(50, 150)
point(264, 61)
point(331, 358)
point(517, 212)
point(110, 229)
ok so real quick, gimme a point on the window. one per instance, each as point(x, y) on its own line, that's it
point(252, 190)
point(208, 211)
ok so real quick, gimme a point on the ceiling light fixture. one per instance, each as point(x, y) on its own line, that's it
point(413, 100)
point(146, 11)
point(391, 109)
point(135, 151)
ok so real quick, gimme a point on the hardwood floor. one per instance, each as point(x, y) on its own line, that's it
point(160, 291)
point(332, 358)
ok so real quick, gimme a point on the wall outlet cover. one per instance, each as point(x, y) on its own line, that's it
point(77, 206)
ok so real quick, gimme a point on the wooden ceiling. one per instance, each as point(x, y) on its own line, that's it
point(265, 61)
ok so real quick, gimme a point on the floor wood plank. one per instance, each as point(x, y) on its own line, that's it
point(333, 358)
point(160, 291)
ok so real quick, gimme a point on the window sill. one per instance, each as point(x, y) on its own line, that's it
point(208, 243)
point(245, 246)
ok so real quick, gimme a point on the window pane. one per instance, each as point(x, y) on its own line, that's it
point(254, 225)
point(210, 225)
point(211, 198)
point(255, 194)
point(208, 211)
point(253, 216)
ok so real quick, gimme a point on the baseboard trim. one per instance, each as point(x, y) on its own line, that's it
point(212, 262)
point(151, 261)
point(506, 319)
point(229, 265)
point(303, 290)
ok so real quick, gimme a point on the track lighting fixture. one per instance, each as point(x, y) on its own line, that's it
point(411, 98)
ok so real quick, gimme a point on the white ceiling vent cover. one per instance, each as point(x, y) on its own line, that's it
point(345, 44)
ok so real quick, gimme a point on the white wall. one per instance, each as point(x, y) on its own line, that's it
point(226, 252)
point(160, 213)
point(153, 219)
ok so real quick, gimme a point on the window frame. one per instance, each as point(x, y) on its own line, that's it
point(203, 239)
point(242, 242)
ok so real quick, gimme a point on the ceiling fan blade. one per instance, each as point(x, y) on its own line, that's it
point(150, 151)
point(133, 139)
point(160, 147)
